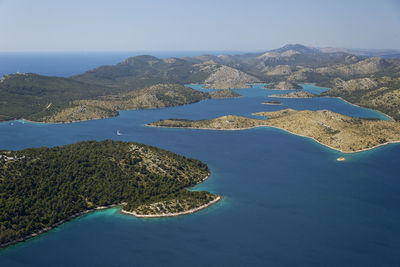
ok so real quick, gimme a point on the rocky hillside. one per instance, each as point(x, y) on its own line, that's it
point(226, 78)
point(226, 93)
point(284, 85)
point(35, 97)
point(335, 130)
point(379, 93)
point(155, 96)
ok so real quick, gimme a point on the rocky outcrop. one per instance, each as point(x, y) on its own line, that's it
point(278, 70)
point(381, 93)
point(225, 77)
point(284, 85)
point(226, 93)
point(367, 66)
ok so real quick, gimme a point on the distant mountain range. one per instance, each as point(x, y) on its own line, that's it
point(40, 97)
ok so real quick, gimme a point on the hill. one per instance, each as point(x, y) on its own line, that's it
point(53, 99)
point(380, 93)
point(43, 98)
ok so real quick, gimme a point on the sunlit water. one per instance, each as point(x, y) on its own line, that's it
point(286, 200)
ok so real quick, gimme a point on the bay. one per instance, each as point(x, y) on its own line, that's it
point(286, 200)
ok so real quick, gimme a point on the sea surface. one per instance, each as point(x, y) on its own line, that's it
point(287, 201)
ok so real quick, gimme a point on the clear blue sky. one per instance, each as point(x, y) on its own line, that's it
point(248, 25)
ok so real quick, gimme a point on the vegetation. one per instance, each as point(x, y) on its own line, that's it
point(141, 71)
point(184, 201)
point(380, 93)
point(42, 186)
point(155, 96)
point(226, 93)
point(33, 96)
point(53, 99)
point(101, 92)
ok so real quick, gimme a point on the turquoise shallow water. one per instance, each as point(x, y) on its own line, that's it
point(286, 200)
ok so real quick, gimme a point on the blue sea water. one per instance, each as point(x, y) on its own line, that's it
point(286, 200)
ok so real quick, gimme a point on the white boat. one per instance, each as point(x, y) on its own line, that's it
point(118, 133)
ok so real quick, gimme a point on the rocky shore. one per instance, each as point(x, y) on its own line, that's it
point(218, 198)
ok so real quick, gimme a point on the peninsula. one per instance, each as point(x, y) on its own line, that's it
point(339, 132)
point(43, 187)
point(379, 93)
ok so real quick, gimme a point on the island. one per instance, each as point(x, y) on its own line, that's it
point(283, 85)
point(295, 94)
point(339, 132)
point(42, 188)
point(272, 102)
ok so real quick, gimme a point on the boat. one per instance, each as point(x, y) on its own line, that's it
point(118, 133)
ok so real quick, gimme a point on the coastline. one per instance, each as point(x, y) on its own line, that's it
point(44, 230)
point(362, 107)
point(73, 216)
point(258, 126)
point(218, 198)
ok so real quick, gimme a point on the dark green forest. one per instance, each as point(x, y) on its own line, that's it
point(42, 186)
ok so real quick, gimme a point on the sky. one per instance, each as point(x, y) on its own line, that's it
point(203, 25)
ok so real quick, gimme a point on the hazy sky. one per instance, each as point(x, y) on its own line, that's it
point(248, 25)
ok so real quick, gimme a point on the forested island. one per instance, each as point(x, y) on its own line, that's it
point(339, 132)
point(43, 187)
